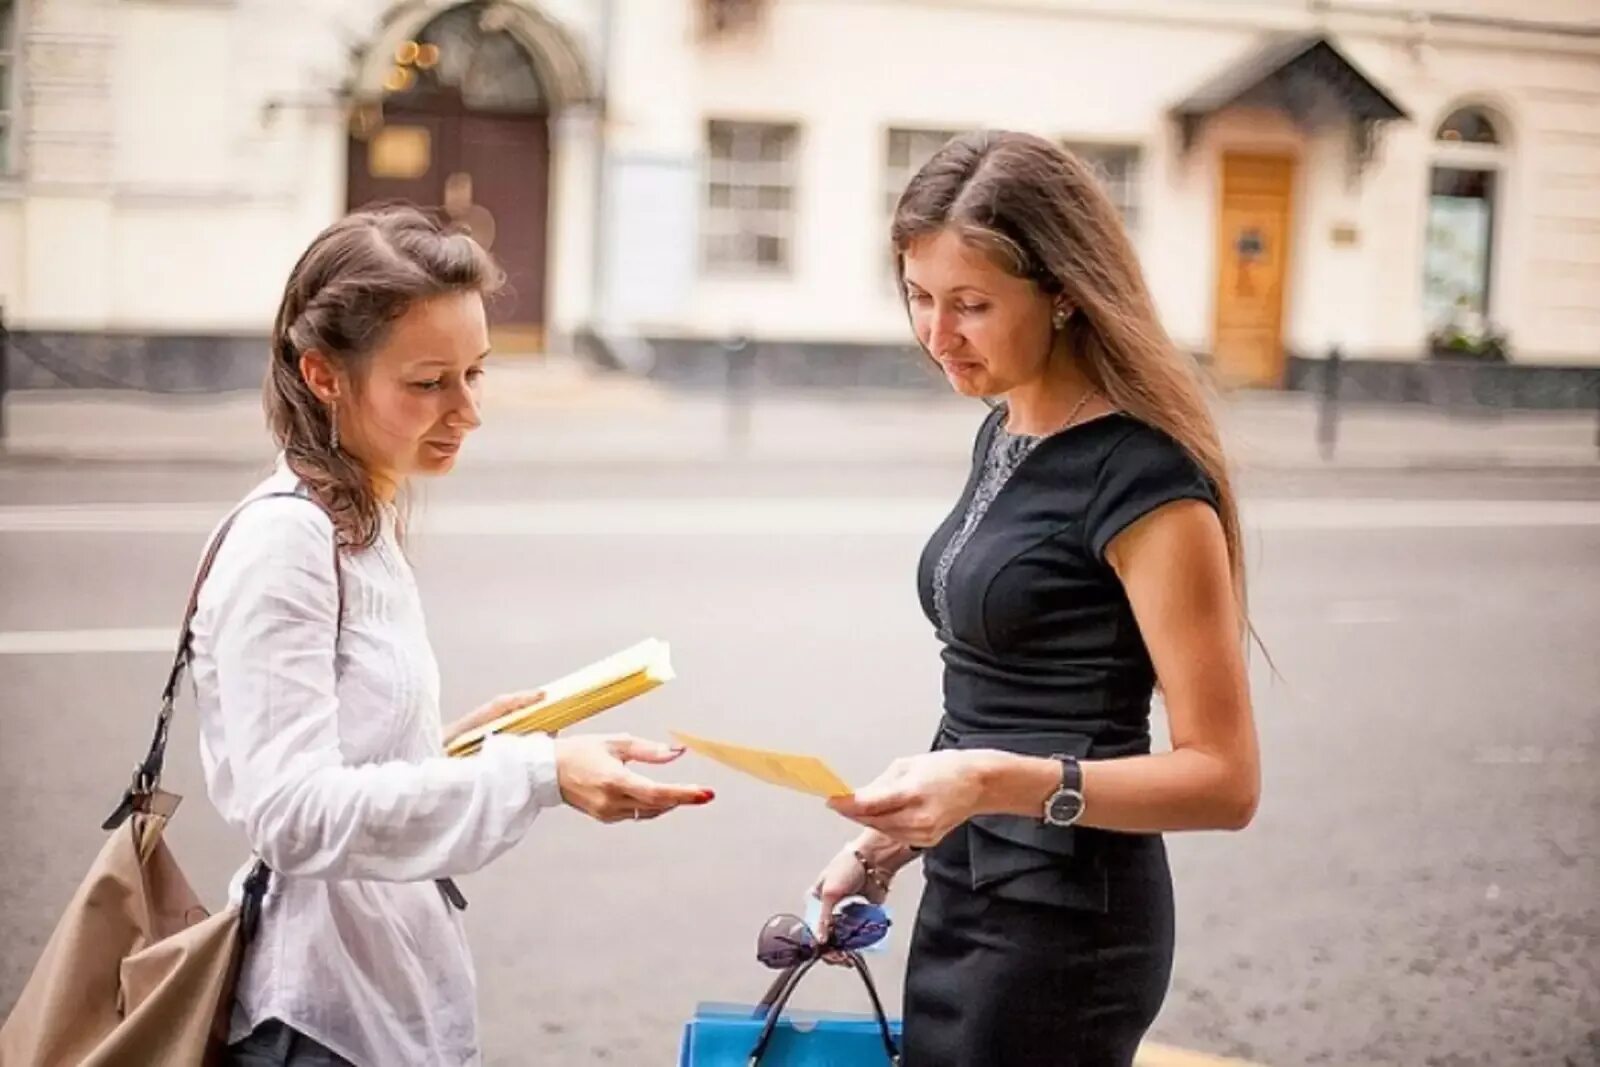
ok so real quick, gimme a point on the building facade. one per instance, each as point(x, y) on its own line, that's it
point(659, 176)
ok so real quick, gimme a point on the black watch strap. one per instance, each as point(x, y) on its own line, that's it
point(1071, 773)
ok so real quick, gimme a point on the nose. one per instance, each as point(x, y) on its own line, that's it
point(467, 412)
point(943, 335)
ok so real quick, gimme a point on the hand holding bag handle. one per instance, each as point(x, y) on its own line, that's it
point(783, 988)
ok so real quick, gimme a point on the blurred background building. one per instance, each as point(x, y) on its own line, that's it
point(1398, 179)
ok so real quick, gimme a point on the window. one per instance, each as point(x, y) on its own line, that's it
point(1117, 166)
point(750, 193)
point(908, 150)
point(1469, 125)
point(1460, 240)
point(1458, 260)
point(8, 94)
point(718, 17)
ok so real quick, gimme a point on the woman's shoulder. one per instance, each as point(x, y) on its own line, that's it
point(1139, 468)
point(1121, 440)
point(1118, 451)
point(275, 521)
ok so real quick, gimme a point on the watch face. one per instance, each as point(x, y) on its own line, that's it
point(1065, 807)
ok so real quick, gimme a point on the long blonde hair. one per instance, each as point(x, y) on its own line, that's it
point(1042, 215)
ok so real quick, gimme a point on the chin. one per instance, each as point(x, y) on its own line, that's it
point(975, 385)
point(431, 465)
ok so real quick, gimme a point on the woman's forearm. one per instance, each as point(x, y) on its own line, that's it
point(1186, 789)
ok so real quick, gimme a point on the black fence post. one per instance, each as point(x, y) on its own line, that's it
point(738, 365)
point(5, 373)
point(1328, 412)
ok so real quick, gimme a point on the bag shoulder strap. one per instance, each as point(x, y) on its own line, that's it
point(147, 774)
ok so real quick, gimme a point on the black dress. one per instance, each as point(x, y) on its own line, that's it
point(1036, 944)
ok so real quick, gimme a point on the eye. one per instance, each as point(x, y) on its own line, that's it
point(973, 309)
point(474, 373)
point(917, 297)
point(428, 386)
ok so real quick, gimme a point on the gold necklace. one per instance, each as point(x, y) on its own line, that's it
point(1072, 418)
point(1077, 409)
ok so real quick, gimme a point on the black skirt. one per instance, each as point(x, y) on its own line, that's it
point(997, 982)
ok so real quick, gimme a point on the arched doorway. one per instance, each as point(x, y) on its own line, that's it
point(460, 120)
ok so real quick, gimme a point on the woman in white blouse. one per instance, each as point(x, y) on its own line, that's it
point(318, 690)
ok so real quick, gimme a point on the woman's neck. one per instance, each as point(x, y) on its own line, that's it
point(385, 487)
point(1052, 400)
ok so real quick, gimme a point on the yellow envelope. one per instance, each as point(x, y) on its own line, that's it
point(808, 774)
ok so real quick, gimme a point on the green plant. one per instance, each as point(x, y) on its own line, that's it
point(1468, 336)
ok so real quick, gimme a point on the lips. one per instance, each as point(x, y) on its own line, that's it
point(452, 446)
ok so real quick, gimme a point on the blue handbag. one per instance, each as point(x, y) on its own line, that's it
point(765, 1035)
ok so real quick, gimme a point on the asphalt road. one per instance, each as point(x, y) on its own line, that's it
point(1422, 885)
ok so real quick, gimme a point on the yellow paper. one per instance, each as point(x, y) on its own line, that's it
point(808, 774)
point(584, 693)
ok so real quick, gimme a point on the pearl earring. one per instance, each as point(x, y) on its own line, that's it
point(1059, 319)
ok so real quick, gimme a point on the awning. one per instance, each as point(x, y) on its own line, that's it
point(1305, 77)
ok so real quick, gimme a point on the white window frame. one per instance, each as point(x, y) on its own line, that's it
point(1126, 189)
point(924, 141)
point(748, 179)
point(1493, 158)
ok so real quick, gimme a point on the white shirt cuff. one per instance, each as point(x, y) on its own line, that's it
point(537, 753)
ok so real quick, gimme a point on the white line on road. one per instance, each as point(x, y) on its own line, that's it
point(67, 642)
point(164, 639)
point(798, 516)
point(1153, 1055)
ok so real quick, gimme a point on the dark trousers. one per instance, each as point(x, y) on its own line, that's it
point(276, 1044)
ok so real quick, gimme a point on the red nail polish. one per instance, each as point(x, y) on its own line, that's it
point(706, 797)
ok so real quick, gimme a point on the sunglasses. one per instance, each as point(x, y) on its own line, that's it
point(786, 940)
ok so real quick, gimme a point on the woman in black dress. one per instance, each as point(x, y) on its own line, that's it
point(1095, 550)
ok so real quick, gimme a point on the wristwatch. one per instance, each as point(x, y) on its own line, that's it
point(1065, 805)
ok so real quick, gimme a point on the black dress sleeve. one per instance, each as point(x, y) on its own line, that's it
point(1142, 471)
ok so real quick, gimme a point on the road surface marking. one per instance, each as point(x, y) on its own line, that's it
point(68, 642)
point(765, 516)
point(1151, 1055)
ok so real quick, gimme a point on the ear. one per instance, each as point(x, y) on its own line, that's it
point(320, 375)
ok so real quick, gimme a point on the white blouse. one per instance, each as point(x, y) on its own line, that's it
point(329, 759)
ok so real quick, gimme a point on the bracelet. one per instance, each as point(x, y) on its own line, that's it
point(877, 876)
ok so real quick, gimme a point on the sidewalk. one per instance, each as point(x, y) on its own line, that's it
point(564, 413)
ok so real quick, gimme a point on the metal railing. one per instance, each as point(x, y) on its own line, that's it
point(5, 373)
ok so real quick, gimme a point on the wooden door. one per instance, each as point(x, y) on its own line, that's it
point(1252, 268)
point(489, 173)
point(508, 161)
point(404, 159)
